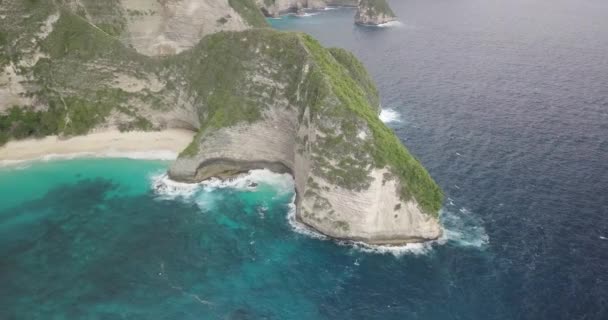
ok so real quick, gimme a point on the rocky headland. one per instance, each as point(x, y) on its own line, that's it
point(374, 13)
point(255, 97)
point(275, 8)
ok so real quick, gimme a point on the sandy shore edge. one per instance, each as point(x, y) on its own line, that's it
point(164, 145)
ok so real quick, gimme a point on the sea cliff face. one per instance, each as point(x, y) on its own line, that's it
point(257, 98)
point(374, 12)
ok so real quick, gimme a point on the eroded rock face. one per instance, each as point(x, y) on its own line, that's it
point(170, 26)
point(374, 13)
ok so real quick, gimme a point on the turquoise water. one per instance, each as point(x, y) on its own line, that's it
point(505, 102)
point(115, 239)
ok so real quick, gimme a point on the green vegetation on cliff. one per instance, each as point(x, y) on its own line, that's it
point(71, 82)
point(358, 73)
point(107, 15)
point(376, 7)
point(220, 72)
point(388, 149)
point(22, 123)
point(249, 11)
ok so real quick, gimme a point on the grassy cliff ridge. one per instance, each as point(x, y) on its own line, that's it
point(387, 149)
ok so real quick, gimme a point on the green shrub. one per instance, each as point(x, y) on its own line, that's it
point(22, 122)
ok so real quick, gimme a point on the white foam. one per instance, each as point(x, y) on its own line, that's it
point(8, 163)
point(166, 188)
point(397, 251)
point(299, 227)
point(450, 202)
point(464, 229)
point(306, 14)
point(603, 238)
point(141, 155)
point(390, 24)
point(136, 155)
point(389, 115)
point(283, 182)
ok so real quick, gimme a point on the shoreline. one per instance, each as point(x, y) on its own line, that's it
point(162, 145)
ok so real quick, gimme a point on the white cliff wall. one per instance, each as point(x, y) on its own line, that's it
point(170, 26)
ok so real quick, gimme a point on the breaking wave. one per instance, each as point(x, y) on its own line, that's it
point(390, 24)
point(389, 115)
point(135, 155)
point(165, 188)
point(305, 14)
point(462, 228)
point(299, 227)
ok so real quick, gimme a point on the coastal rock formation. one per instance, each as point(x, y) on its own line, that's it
point(274, 8)
point(374, 13)
point(257, 98)
point(313, 112)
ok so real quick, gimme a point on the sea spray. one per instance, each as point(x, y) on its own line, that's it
point(388, 115)
point(393, 24)
point(168, 189)
point(298, 226)
point(461, 227)
point(306, 14)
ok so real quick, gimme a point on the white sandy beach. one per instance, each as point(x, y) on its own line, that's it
point(113, 143)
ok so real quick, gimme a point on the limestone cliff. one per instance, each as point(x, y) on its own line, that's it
point(257, 98)
point(313, 112)
point(171, 26)
point(374, 12)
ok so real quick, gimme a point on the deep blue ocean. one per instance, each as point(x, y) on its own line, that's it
point(504, 101)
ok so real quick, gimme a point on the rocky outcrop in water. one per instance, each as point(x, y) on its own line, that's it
point(374, 13)
point(274, 8)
